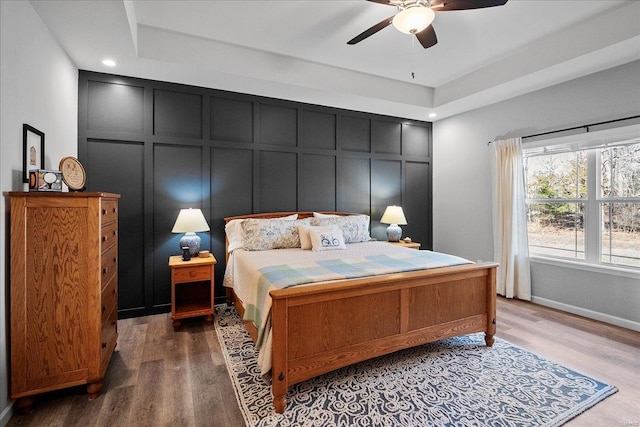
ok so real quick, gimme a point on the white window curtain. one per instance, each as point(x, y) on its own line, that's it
point(511, 248)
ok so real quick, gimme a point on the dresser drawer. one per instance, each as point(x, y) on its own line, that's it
point(108, 211)
point(108, 337)
point(109, 265)
point(108, 236)
point(191, 274)
point(109, 299)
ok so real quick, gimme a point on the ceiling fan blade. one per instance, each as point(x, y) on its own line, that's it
point(371, 31)
point(387, 2)
point(427, 37)
point(441, 5)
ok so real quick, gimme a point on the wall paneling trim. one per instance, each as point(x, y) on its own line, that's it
point(165, 146)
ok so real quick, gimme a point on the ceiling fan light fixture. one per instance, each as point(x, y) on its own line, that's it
point(414, 19)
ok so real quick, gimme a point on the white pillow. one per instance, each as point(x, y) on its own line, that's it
point(303, 231)
point(235, 235)
point(355, 228)
point(264, 234)
point(324, 239)
point(321, 215)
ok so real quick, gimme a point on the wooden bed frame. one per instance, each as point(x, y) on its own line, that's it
point(322, 327)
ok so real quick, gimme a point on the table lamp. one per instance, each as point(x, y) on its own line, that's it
point(189, 222)
point(393, 215)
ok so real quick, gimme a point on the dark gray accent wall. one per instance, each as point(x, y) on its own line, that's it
point(166, 146)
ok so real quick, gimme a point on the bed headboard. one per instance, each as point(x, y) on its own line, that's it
point(267, 215)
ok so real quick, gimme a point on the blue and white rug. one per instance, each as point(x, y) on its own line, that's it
point(453, 382)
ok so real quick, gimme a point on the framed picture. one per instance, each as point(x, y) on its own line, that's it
point(33, 154)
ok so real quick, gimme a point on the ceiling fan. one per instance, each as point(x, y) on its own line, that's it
point(415, 17)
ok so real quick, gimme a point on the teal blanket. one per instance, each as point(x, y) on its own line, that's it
point(284, 276)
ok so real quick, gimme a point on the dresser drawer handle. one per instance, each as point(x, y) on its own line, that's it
point(104, 345)
point(115, 260)
point(104, 238)
point(115, 210)
point(115, 233)
point(104, 308)
point(104, 271)
point(113, 323)
point(114, 291)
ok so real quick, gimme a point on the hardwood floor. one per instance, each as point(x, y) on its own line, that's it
point(159, 377)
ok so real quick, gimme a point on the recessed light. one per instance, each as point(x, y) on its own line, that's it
point(432, 115)
point(109, 62)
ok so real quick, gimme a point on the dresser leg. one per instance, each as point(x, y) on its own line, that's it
point(209, 319)
point(176, 324)
point(24, 404)
point(94, 389)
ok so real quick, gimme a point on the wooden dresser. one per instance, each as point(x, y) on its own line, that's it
point(64, 291)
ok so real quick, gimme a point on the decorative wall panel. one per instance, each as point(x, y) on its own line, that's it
point(386, 137)
point(166, 146)
point(231, 120)
point(319, 130)
point(318, 184)
point(114, 107)
point(278, 181)
point(177, 114)
point(355, 134)
point(178, 178)
point(278, 125)
point(124, 160)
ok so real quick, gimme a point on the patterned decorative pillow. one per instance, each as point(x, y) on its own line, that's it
point(265, 234)
point(321, 215)
point(355, 228)
point(303, 231)
point(326, 239)
point(235, 235)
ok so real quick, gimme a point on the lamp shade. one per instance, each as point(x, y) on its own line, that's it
point(393, 215)
point(414, 19)
point(190, 220)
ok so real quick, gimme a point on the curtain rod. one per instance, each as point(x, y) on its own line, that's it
point(577, 127)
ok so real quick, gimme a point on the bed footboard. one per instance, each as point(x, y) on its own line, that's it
point(320, 328)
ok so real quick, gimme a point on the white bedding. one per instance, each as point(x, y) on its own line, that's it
point(242, 265)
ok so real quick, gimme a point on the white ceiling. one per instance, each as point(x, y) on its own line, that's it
point(296, 49)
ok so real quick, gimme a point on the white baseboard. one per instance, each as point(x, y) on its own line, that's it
point(6, 414)
point(607, 318)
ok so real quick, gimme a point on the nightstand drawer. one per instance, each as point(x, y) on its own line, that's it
point(192, 274)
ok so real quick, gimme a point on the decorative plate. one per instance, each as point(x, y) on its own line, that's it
point(73, 173)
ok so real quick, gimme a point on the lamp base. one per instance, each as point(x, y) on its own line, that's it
point(394, 233)
point(192, 241)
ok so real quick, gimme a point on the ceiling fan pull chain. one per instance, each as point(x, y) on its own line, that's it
point(413, 59)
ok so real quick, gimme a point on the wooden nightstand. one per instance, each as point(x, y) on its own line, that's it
point(410, 245)
point(192, 285)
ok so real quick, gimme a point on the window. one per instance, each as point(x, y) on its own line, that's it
point(583, 197)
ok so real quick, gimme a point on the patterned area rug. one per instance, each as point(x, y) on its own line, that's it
point(453, 382)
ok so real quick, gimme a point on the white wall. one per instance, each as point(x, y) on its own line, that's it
point(38, 86)
point(462, 183)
